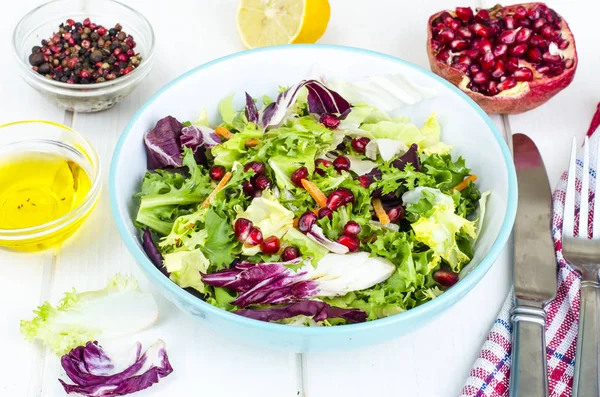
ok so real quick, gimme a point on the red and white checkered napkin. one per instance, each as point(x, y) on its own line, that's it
point(490, 374)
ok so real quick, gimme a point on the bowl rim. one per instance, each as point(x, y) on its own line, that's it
point(76, 213)
point(145, 64)
point(430, 308)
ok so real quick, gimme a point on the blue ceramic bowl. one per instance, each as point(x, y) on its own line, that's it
point(261, 71)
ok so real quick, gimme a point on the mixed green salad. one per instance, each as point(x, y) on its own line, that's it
point(309, 211)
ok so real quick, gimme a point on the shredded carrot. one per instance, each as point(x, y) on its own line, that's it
point(462, 185)
point(223, 132)
point(251, 142)
point(371, 239)
point(380, 212)
point(296, 220)
point(217, 189)
point(315, 192)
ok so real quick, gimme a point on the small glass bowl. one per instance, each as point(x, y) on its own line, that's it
point(52, 138)
point(43, 21)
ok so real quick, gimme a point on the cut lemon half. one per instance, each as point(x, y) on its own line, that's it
point(263, 23)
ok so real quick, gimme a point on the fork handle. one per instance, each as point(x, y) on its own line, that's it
point(585, 381)
point(528, 374)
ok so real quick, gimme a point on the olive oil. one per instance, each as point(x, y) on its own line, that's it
point(36, 188)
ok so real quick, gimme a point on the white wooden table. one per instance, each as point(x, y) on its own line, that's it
point(433, 361)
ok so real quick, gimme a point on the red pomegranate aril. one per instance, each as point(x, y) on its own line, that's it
point(347, 195)
point(255, 237)
point(492, 88)
point(547, 31)
point(335, 201)
point(500, 50)
point(507, 84)
point(534, 55)
point(443, 55)
point(538, 41)
point(523, 35)
point(445, 36)
point(480, 78)
point(320, 165)
point(459, 44)
point(480, 30)
point(306, 221)
point(538, 24)
point(248, 188)
point(352, 228)
point(462, 59)
point(518, 50)
point(543, 69)
point(242, 228)
point(511, 64)
point(350, 242)
point(464, 32)
point(525, 23)
point(359, 144)
point(290, 253)
point(341, 163)
point(270, 245)
point(464, 13)
point(257, 166)
point(563, 45)
point(217, 172)
point(461, 67)
point(261, 182)
point(472, 54)
point(329, 121)
point(474, 68)
point(365, 181)
point(499, 70)
point(484, 45)
point(445, 278)
point(569, 64)
point(523, 74)
point(551, 58)
point(520, 12)
point(487, 61)
point(453, 23)
point(509, 22)
point(325, 213)
point(533, 14)
point(482, 15)
point(298, 175)
point(396, 214)
point(507, 37)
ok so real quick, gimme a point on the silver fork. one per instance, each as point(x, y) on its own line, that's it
point(583, 254)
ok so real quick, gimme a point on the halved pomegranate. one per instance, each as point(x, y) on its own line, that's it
point(507, 59)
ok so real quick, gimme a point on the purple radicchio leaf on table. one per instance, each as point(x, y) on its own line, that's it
point(91, 371)
point(251, 110)
point(152, 251)
point(318, 310)
point(410, 157)
point(163, 144)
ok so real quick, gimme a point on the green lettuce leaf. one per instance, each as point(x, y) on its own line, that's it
point(234, 149)
point(308, 247)
point(220, 242)
point(184, 268)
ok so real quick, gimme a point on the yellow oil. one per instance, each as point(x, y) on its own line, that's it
point(36, 188)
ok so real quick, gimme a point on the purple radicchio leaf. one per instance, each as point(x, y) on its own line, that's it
point(195, 136)
point(318, 310)
point(264, 283)
point(316, 234)
point(251, 110)
point(410, 157)
point(89, 368)
point(152, 251)
point(163, 145)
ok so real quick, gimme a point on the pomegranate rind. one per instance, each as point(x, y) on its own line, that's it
point(531, 95)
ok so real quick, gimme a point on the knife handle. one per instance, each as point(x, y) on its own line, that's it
point(585, 381)
point(529, 374)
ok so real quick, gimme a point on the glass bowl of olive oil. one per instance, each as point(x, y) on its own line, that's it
point(49, 183)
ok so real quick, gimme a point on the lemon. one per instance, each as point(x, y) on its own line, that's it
point(263, 23)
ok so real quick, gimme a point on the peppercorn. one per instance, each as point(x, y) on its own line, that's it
point(118, 27)
point(94, 36)
point(96, 56)
point(112, 32)
point(36, 59)
point(121, 36)
point(44, 68)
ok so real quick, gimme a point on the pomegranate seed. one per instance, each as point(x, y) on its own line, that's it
point(351, 242)
point(445, 36)
point(569, 63)
point(341, 163)
point(270, 245)
point(242, 228)
point(453, 23)
point(563, 45)
point(507, 84)
point(512, 64)
point(290, 253)
point(335, 201)
point(443, 56)
point(543, 69)
point(321, 165)
point(325, 212)
point(459, 45)
point(487, 61)
point(474, 69)
point(534, 55)
point(261, 182)
point(494, 28)
point(507, 37)
point(482, 15)
point(445, 278)
point(520, 12)
point(329, 121)
point(500, 50)
point(499, 70)
point(480, 30)
point(461, 59)
point(298, 175)
point(509, 22)
point(556, 70)
point(518, 50)
point(484, 45)
point(216, 172)
point(474, 88)
point(248, 188)
point(480, 78)
point(306, 221)
point(492, 88)
point(396, 214)
point(471, 53)
point(347, 195)
point(365, 181)
point(255, 237)
point(538, 41)
point(547, 31)
point(533, 14)
point(523, 74)
point(551, 58)
point(464, 32)
point(538, 24)
point(352, 228)
point(461, 67)
point(360, 144)
point(101, 30)
point(523, 35)
point(257, 166)
point(464, 13)
point(86, 22)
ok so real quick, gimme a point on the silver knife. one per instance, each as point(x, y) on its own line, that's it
point(534, 271)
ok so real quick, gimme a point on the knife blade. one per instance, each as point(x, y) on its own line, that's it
point(534, 271)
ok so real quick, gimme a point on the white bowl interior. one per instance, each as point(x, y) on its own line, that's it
point(463, 125)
